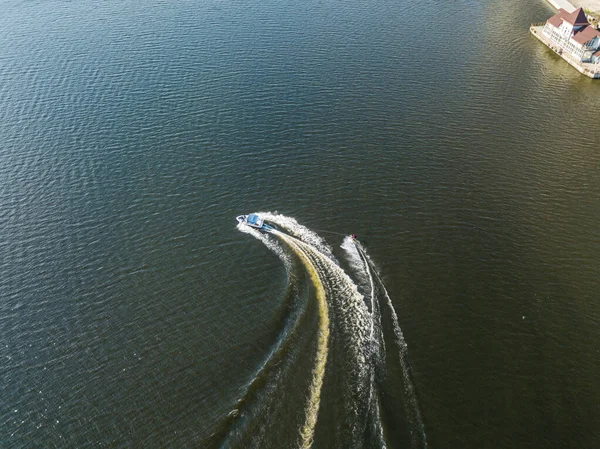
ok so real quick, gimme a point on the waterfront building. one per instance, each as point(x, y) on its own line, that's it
point(571, 33)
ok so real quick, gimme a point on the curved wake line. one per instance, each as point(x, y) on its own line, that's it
point(277, 354)
point(294, 229)
point(307, 431)
point(269, 243)
point(376, 319)
point(403, 354)
point(361, 344)
point(278, 351)
point(349, 246)
point(359, 263)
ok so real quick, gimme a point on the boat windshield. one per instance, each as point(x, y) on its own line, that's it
point(253, 219)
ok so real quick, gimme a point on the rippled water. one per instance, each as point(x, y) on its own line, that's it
point(464, 154)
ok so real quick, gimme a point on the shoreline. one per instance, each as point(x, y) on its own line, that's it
point(564, 4)
point(591, 7)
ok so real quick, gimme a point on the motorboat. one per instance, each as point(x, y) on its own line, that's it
point(254, 221)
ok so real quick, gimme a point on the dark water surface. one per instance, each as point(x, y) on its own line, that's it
point(464, 154)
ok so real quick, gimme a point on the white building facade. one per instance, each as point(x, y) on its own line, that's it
point(573, 34)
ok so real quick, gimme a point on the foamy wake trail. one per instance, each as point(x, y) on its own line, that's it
point(419, 438)
point(338, 292)
point(358, 335)
point(292, 228)
point(359, 258)
point(318, 373)
point(357, 264)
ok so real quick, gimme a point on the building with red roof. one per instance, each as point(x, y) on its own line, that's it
point(572, 33)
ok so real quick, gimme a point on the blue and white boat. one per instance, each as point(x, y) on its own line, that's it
point(254, 221)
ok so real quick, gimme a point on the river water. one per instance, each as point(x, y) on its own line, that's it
point(133, 311)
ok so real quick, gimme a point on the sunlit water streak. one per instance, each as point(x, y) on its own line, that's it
point(313, 401)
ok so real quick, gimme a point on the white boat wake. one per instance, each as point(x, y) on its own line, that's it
point(348, 350)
